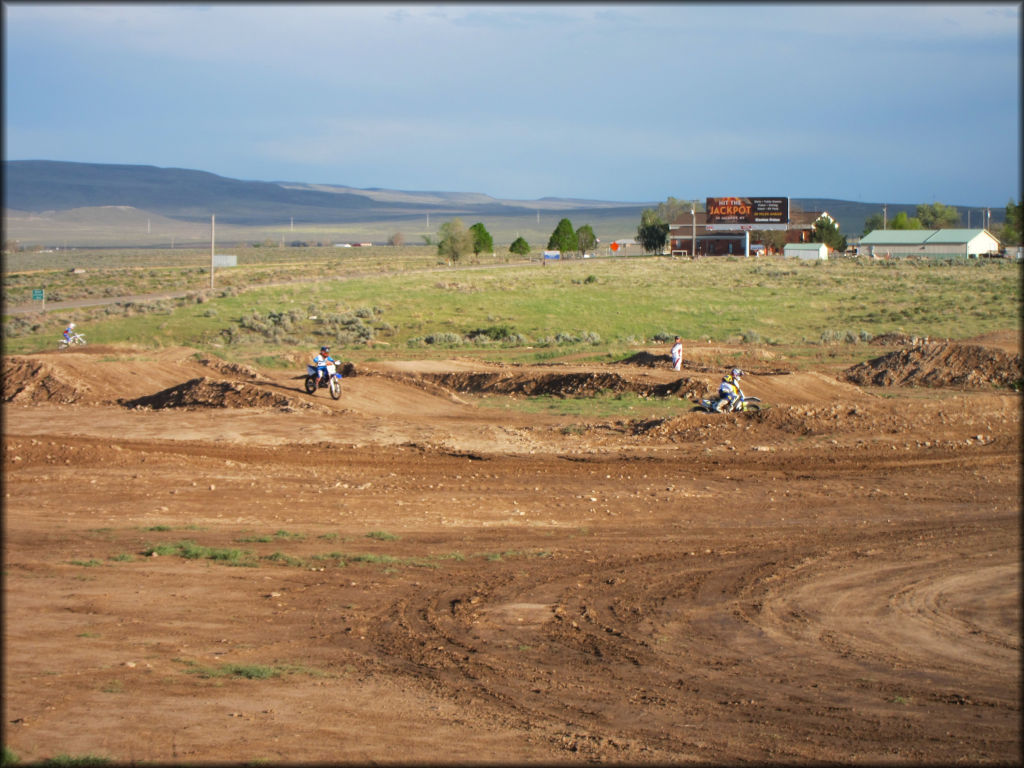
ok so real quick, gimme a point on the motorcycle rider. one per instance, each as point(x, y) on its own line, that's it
point(729, 391)
point(68, 332)
point(320, 363)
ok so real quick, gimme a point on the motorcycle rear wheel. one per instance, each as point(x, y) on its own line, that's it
point(310, 385)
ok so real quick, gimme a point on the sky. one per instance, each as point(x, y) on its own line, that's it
point(632, 102)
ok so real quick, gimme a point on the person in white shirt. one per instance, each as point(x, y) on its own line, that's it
point(677, 354)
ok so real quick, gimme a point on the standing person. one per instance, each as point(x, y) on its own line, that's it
point(677, 354)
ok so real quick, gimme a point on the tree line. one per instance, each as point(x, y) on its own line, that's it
point(455, 240)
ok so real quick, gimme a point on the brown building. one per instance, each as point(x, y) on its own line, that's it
point(688, 232)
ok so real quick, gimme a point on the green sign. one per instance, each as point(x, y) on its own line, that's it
point(37, 294)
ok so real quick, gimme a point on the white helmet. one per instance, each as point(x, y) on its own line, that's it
point(71, 325)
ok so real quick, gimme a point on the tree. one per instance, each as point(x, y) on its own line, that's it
point(827, 232)
point(676, 210)
point(482, 240)
point(873, 222)
point(563, 238)
point(585, 238)
point(454, 240)
point(1010, 234)
point(775, 239)
point(938, 216)
point(519, 246)
point(652, 232)
point(397, 239)
point(901, 221)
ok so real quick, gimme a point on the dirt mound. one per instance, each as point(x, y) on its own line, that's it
point(212, 393)
point(894, 338)
point(230, 369)
point(33, 381)
point(575, 384)
point(648, 360)
point(939, 365)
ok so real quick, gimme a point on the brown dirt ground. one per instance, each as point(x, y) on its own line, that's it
point(427, 579)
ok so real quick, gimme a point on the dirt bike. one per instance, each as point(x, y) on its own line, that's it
point(330, 380)
point(741, 404)
point(74, 340)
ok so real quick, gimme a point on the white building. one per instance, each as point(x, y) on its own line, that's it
point(806, 251)
point(935, 243)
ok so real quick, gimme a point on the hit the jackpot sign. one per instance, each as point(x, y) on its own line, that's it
point(740, 213)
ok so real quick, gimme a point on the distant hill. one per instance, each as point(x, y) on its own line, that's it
point(189, 196)
point(43, 185)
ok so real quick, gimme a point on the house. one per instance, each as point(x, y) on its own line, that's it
point(689, 232)
point(806, 251)
point(932, 243)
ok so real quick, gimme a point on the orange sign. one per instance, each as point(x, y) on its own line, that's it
point(614, 246)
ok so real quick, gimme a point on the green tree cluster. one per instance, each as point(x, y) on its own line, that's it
point(482, 240)
point(652, 233)
point(827, 232)
point(1010, 234)
point(519, 246)
point(938, 216)
point(563, 238)
point(454, 240)
point(585, 238)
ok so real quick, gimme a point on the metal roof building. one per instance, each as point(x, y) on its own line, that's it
point(935, 243)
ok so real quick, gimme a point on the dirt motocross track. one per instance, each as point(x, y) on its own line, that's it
point(205, 564)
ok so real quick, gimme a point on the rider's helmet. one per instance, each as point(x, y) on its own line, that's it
point(325, 350)
point(736, 373)
point(71, 326)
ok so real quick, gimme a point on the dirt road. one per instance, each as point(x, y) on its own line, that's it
point(203, 563)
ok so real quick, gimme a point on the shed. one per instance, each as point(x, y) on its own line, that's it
point(806, 251)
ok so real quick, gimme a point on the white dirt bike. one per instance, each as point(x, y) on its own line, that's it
point(331, 380)
point(74, 340)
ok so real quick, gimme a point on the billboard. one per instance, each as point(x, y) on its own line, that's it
point(729, 214)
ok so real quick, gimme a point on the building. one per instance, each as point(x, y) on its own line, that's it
point(932, 243)
point(688, 232)
point(806, 251)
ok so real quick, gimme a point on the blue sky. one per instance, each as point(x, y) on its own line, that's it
point(627, 102)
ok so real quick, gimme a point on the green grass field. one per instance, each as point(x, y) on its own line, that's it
point(392, 303)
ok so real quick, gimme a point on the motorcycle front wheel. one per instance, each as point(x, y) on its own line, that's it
point(310, 385)
point(335, 387)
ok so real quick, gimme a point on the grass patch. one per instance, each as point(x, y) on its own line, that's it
point(533, 311)
point(382, 536)
point(248, 671)
point(192, 551)
point(78, 761)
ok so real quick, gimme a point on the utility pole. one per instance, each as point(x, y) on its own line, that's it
point(693, 232)
point(885, 216)
point(213, 239)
